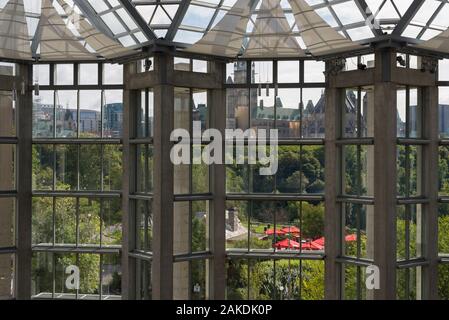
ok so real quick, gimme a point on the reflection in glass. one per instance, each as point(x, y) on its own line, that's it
point(66, 104)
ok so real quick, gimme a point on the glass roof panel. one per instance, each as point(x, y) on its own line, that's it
point(111, 27)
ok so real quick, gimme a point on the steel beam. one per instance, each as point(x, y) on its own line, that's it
point(363, 7)
point(408, 16)
point(177, 20)
point(135, 15)
point(93, 17)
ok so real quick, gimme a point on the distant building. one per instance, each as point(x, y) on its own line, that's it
point(113, 120)
point(66, 121)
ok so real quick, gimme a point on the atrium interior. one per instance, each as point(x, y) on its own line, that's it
point(93, 207)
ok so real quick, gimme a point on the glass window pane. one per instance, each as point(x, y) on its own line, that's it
point(237, 279)
point(288, 71)
point(236, 72)
point(42, 275)
point(314, 71)
point(66, 113)
point(198, 276)
point(262, 109)
point(89, 265)
point(144, 225)
point(112, 73)
point(7, 167)
point(43, 114)
point(182, 109)
point(66, 167)
point(237, 218)
point(8, 115)
point(444, 171)
point(7, 276)
point(90, 167)
point(43, 162)
point(112, 167)
point(111, 222)
point(64, 74)
point(200, 111)
point(182, 64)
point(444, 112)
point(42, 225)
point(144, 179)
point(181, 227)
point(41, 74)
point(443, 70)
point(62, 261)
point(65, 221)
point(200, 226)
point(409, 225)
point(313, 122)
point(113, 114)
point(89, 221)
point(88, 73)
point(262, 72)
point(199, 66)
point(111, 277)
point(90, 113)
point(237, 108)
point(8, 222)
point(262, 232)
point(288, 113)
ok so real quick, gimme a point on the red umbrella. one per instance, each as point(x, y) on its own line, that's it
point(292, 230)
point(319, 241)
point(317, 245)
point(287, 244)
point(351, 238)
point(271, 232)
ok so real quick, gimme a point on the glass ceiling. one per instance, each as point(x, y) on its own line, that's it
point(92, 29)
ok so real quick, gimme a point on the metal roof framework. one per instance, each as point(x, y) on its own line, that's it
point(107, 29)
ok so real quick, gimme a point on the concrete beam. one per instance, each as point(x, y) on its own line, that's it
point(176, 78)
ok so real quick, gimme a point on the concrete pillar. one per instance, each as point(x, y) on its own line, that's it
point(163, 181)
point(332, 226)
point(385, 115)
point(130, 101)
point(7, 213)
point(217, 225)
point(24, 199)
point(430, 191)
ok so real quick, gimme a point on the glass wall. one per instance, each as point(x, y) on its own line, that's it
point(191, 214)
point(356, 194)
point(8, 186)
point(77, 176)
point(410, 214)
point(274, 245)
point(141, 205)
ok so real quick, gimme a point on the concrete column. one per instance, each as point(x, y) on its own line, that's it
point(7, 208)
point(385, 116)
point(217, 225)
point(332, 227)
point(24, 174)
point(163, 181)
point(130, 101)
point(430, 191)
